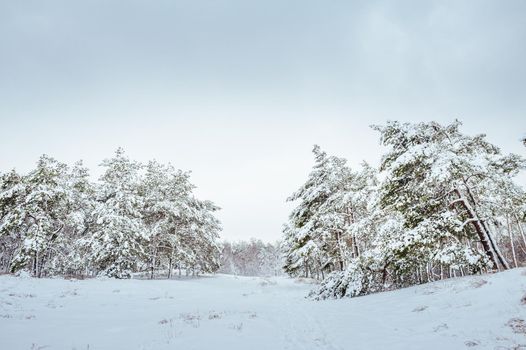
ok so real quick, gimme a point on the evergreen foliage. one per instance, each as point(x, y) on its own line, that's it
point(136, 218)
point(441, 204)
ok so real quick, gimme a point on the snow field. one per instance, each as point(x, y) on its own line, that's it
point(228, 312)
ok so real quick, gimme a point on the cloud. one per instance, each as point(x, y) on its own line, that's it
point(239, 91)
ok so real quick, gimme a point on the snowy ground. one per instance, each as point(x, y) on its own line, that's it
point(226, 312)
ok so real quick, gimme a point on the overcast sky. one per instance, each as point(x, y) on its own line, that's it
point(238, 91)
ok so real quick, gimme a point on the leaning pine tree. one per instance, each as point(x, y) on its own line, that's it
point(315, 235)
point(443, 184)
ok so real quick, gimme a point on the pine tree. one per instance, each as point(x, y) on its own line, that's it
point(166, 193)
point(445, 203)
point(318, 236)
point(199, 243)
point(70, 256)
point(119, 234)
point(313, 234)
point(440, 181)
point(36, 209)
point(12, 217)
point(182, 229)
point(55, 221)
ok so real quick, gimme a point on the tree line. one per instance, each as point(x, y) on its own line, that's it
point(136, 218)
point(251, 258)
point(440, 204)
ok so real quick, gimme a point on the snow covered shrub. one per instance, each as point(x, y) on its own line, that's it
point(23, 274)
point(338, 284)
point(365, 274)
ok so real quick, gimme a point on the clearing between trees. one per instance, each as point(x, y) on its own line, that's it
point(229, 312)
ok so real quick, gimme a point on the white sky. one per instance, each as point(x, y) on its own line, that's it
point(239, 91)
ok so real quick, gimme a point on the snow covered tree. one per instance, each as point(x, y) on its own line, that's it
point(369, 230)
point(506, 208)
point(313, 235)
point(119, 235)
point(39, 214)
point(318, 236)
point(165, 193)
point(182, 229)
point(12, 217)
point(70, 257)
point(443, 184)
point(446, 205)
point(199, 244)
point(55, 221)
point(251, 258)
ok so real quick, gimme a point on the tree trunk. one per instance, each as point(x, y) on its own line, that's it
point(482, 231)
point(521, 230)
point(170, 267)
point(36, 272)
point(152, 267)
point(511, 242)
point(340, 250)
